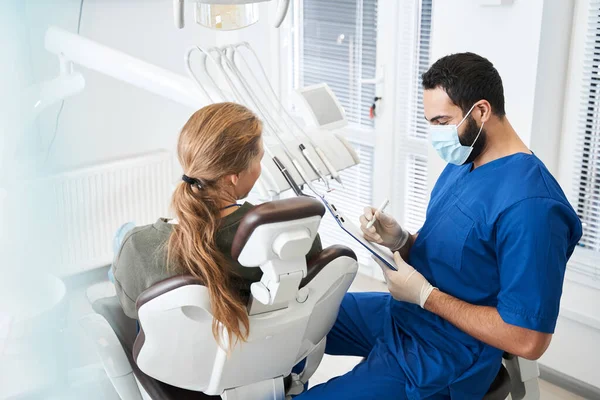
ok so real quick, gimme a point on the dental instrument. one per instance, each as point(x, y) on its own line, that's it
point(217, 61)
point(279, 107)
point(269, 119)
point(270, 123)
point(224, 58)
point(268, 126)
point(188, 68)
point(333, 172)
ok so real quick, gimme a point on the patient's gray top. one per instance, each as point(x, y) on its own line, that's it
point(142, 260)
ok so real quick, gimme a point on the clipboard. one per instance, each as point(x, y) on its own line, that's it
point(382, 253)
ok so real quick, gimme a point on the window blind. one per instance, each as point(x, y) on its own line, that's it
point(419, 126)
point(587, 151)
point(412, 138)
point(417, 192)
point(336, 42)
point(351, 200)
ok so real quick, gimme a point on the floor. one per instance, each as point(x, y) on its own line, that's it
point(87, 379)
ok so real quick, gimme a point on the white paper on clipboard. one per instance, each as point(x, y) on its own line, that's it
point(351, 229)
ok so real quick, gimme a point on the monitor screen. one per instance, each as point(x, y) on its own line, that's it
point(323, 105)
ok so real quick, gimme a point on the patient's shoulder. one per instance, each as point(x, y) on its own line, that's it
point(144, 241)
point(232, 220)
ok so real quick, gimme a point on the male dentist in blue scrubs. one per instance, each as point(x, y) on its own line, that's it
point(484, 274)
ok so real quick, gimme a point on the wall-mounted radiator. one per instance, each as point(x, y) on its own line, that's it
point(76, 214)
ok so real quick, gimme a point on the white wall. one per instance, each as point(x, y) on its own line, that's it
point(550, 83)
point(111, 118)
point(575, 346)
point(22, 368)
point(15, 77)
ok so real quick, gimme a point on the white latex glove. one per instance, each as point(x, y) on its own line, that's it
point(406, 284)
point(386, 231)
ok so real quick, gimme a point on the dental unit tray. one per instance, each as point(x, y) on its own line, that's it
point(354, 231)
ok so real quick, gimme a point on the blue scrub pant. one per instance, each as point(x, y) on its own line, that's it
point(362, 327)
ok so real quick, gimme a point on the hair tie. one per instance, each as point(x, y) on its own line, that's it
point(191, 181)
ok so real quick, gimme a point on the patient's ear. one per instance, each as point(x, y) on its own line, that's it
point(231, 180)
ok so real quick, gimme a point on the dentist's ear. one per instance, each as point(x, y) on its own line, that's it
point(484, 109)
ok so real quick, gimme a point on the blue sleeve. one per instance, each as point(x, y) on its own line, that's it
point(534, 239)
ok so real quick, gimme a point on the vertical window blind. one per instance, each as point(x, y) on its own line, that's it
point(416, 192)
point(351, 200)
point(419, 126)
point(411, 148)
point(336, 42)
point(586, 177)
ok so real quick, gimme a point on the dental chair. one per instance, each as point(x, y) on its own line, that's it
point(175, 356)
point(517, 377)
point(291, 310)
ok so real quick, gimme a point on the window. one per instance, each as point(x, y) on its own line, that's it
point(336, 43)
point(586, 182)
point(351, 200)
point(412, 144)
point(341, 43)
point(416, 194)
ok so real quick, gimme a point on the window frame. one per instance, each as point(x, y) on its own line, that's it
point(284, 62)
point(584, 265)
point(384, 137)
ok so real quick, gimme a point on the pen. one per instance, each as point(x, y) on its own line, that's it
point(380, 209)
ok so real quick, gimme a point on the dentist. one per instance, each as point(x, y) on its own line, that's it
point(485, 272)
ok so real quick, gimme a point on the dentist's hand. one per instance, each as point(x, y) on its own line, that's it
point(406, 284)
point(386, 231)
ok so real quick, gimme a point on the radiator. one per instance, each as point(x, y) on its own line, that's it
point(80, 211)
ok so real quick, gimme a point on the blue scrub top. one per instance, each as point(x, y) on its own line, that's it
point(499, 235)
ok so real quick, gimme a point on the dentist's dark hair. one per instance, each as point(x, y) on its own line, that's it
point(217, 141)
point(467, 78)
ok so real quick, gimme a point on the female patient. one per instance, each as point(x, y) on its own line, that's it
point(220, 149)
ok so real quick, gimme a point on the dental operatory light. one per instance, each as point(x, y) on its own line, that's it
point(226, 15)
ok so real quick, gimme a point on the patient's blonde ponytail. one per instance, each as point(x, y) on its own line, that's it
point(218, 140)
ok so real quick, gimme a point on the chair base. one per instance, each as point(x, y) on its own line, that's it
point(524, 378)
point(500, 388)
point(269, 389)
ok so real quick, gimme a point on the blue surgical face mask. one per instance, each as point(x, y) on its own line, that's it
point(446, 142)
